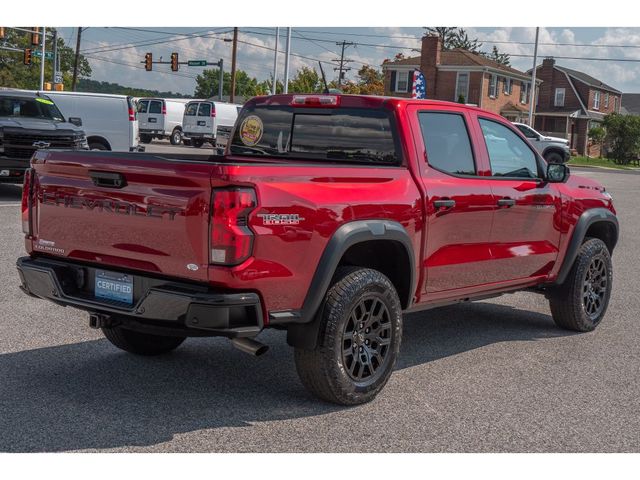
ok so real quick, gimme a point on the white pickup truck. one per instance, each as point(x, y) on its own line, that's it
point(553, 149)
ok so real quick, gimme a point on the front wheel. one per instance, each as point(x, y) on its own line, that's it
point(359, 339)
point(141, 343)
point(554, 157)
point(581, 301)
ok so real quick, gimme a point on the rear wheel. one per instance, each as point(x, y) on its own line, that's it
point(97, 146)
point(197, 142)
point(176, 137)
point(141, 343)
point(145, 138)
point(359, 339)
point(581, 301)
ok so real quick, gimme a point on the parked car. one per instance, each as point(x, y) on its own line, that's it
point(209, 121)
point(553, 149)
point(109, 121)
point(329, 216)
point(161, 118)
point(30, 121)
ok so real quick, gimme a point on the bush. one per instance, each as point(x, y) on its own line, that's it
point(623, 135)
point(461, 99)
point(597, 135)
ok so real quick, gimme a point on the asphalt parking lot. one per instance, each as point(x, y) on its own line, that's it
point(484, 377)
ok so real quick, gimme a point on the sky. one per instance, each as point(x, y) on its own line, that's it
point(115, 53)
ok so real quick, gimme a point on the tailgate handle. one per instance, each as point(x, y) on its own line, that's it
point(108, 179)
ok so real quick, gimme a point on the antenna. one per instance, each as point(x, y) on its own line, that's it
point(324, 79)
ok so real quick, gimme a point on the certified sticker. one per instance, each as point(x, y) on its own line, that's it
point(251, 130)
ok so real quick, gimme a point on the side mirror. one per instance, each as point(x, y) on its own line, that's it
point(557, 173)
point(77, 121)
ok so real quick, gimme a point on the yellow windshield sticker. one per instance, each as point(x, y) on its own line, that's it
point(44, 100)
point(251, 130)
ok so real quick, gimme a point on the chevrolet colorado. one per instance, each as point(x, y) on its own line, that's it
point(328, 216)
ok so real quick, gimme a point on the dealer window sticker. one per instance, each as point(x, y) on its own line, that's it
point(251, 130)
point(45, 101)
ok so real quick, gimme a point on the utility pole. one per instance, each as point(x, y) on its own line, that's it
point(55, 59)
point(532, 97)
point(286, 61)
point(233, 65)
point(221, 81)
point(275, 64)
point(42, 60)
point(75, 62)
point(342, 61)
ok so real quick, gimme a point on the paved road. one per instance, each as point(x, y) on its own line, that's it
point(491, 376)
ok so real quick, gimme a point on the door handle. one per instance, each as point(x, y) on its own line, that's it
point(506, 202)
point(444, 203)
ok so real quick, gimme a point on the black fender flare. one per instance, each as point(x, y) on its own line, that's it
point(587, 219)
point(556, 149)
point(303, 325)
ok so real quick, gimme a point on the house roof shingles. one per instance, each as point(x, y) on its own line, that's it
point(588, 79)
point(631, 103)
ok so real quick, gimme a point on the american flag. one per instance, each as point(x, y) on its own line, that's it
point(419, 89)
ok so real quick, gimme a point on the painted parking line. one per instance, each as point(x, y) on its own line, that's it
point(10, 204)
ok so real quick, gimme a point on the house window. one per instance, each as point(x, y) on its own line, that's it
point(606, 100)
point(559, 100)
point(596, 100)
point(493, 86)
point(462, 86)
point(615, 104)
point(524, 92)
point(402, 81)
point(508, 86)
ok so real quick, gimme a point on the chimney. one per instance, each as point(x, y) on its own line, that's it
point(548, 62)
point(429, 60)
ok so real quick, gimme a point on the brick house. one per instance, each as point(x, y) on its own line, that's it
point(450, 74)
point(570, 103)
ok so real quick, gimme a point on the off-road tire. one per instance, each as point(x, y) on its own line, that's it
point(325, 371)
point(141, 343)
point(176, 137)
point(554, 157)
point(570, 301)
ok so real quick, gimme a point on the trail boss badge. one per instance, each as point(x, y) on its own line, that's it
point(280, 218)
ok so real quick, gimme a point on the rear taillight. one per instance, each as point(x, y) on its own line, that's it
point(213, 110)
point(315, 101)
point(231, 237)
point(26, 202)
point(132, 114)
point(164, 108)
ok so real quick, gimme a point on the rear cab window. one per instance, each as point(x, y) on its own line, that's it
point(338, 135)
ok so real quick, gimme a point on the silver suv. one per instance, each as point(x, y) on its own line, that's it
point(553, 149)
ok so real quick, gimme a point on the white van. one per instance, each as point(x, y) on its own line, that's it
point(209, 121)
point(109, 120)
point(161, 118)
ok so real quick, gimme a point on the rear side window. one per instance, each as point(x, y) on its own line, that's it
point(155, 107)
point(509, 155)
point(447, 143)
point(191, 110)
point(350, 135)
point(143, 106)
point(205, 110)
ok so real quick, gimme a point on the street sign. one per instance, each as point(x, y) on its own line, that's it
point(38, 54)
point(197, 63)
point(58, 78)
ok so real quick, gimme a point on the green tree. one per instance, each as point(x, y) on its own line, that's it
point(455, 37)
point(207, 84)
point(623, 135)
point(370, 81)
point(14, 74)
point(307, 80)
point(501, 58)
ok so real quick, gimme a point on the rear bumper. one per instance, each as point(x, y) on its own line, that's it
point(152, 131)
point(205, 136)
point(188, 308)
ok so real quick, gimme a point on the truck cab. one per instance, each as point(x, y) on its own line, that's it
point(552, 149)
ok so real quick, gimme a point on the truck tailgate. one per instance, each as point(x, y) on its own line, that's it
point(156, 220)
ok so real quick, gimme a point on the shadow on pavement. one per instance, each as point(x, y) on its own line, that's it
point(10, 192)
point(90, 395)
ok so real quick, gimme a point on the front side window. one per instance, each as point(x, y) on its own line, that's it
point(462, 87)
point(509, 155)
point(402, 81)
point(527, 132)
point(38, 107)
point(559, 99)
point(447, 143)
point(596, 100)
point(191, 110)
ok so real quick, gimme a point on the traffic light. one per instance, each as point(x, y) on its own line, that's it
point(148, 62)
point(174, 62)
point(27, 56)
point(35, 36)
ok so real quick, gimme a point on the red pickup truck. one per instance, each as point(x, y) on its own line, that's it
point(328, 216)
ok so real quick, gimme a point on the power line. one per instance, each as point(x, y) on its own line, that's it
point(342, 61)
